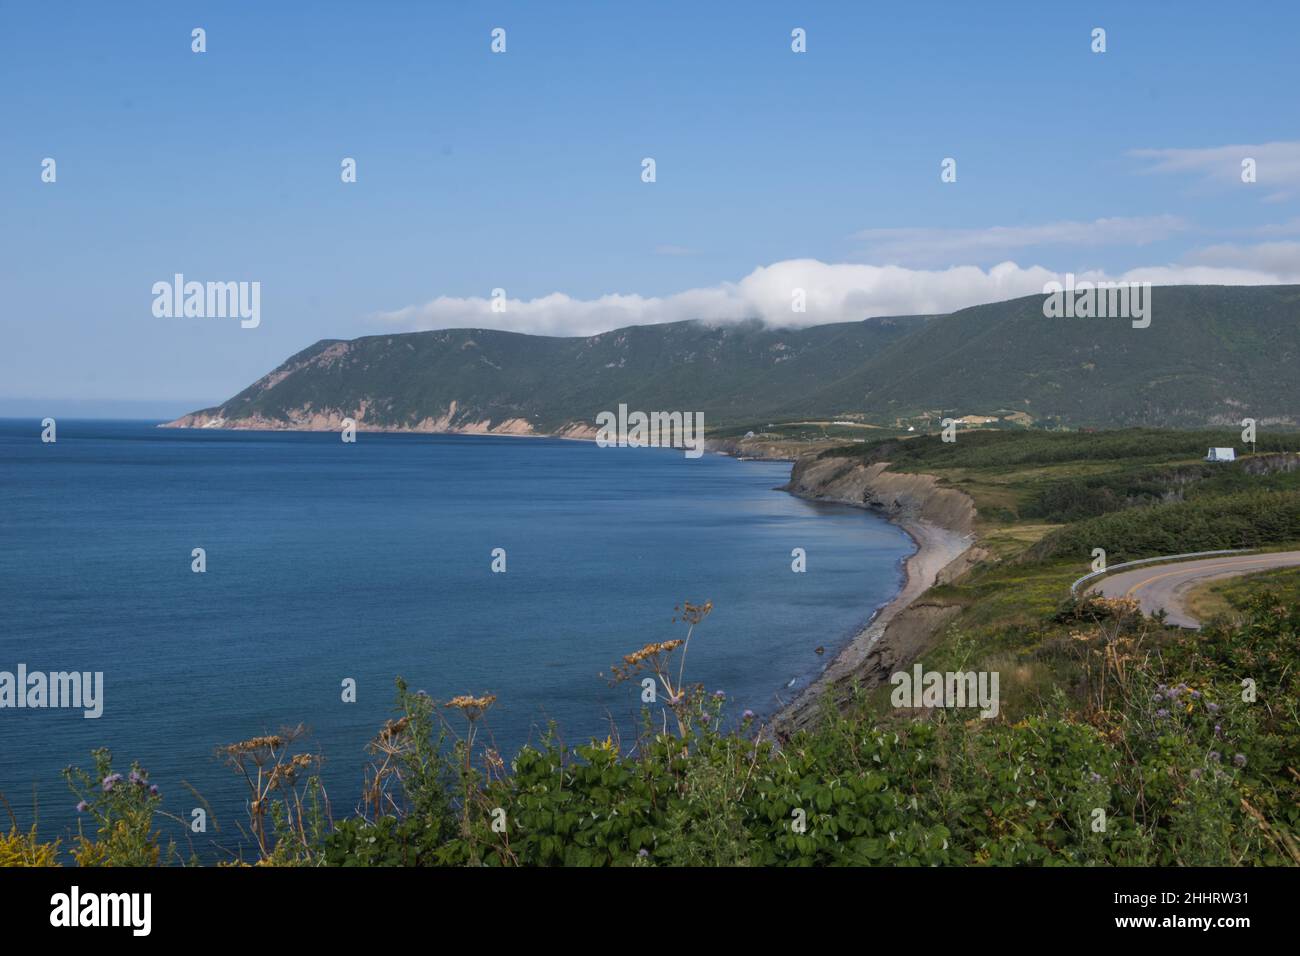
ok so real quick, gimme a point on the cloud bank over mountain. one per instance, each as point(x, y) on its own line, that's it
point(832, 292)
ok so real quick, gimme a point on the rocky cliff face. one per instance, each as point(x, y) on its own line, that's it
point(940, 520)
point(331, 419)
point(902, 497)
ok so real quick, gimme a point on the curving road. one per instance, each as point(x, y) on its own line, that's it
point(1157, 586)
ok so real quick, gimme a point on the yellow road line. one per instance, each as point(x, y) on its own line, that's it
point(1229, 565)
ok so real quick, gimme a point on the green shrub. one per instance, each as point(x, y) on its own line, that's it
point(1246, 520)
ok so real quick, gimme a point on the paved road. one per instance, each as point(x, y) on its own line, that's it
point(1165, 586)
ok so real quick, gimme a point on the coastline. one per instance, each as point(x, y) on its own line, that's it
point(939, 521)
point(333, 421)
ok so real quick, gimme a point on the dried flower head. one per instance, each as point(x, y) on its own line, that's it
point(472, 707)
point(254, 745)
point(693, 613)
point(633, 663)
point(286, 774)
point(392, 730)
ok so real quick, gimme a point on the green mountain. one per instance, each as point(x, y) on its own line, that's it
point(1211, 355)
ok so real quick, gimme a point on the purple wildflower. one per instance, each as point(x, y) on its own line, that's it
point(1239, 760)
point(1196, 773)
point(719, 695)
point(1214, 756)
point(643, 853)
point(1212, 707)
point(1162, 713)
point(153, 789)
point(108, 782)
point(1094, 777)
point(83, 806)
point(748, 715)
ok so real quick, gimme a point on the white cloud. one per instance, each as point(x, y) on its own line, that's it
point(929, 245)
point(836, 292)
point(1277, 165)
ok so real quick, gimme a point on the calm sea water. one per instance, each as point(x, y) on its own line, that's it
point(328, 561)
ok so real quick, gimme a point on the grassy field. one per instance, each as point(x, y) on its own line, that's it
point(1045, 499)
point(1226, 598)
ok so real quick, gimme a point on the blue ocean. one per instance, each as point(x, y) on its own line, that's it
point(328, 561)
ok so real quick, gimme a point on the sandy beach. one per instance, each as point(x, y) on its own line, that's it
point(938, 519)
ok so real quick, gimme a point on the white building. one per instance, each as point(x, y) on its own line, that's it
point(1222, 454)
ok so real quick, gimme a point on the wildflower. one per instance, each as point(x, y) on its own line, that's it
point(393, 729)
point(1212, 707)
point(1196, 773)
point(694, 613)
point(153, 790)
point(472, 707)
point(1157, 698)
point(83, 806)
point(719, 695)
point(747, 715)
point(1239, 760)
point(110, 781)
point(287, 773)
point(1094, 777)
point(1218, 730)
point(1196, 695)
point(254, 745)
point(1214, 756)
point(643, 853)
point(1162, 713)
point(651, 652)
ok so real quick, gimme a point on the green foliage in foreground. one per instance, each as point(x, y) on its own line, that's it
point(1159, 741)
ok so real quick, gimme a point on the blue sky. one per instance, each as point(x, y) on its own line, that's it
point(522, 170)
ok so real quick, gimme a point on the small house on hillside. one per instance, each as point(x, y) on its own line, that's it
point(1222, 454)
